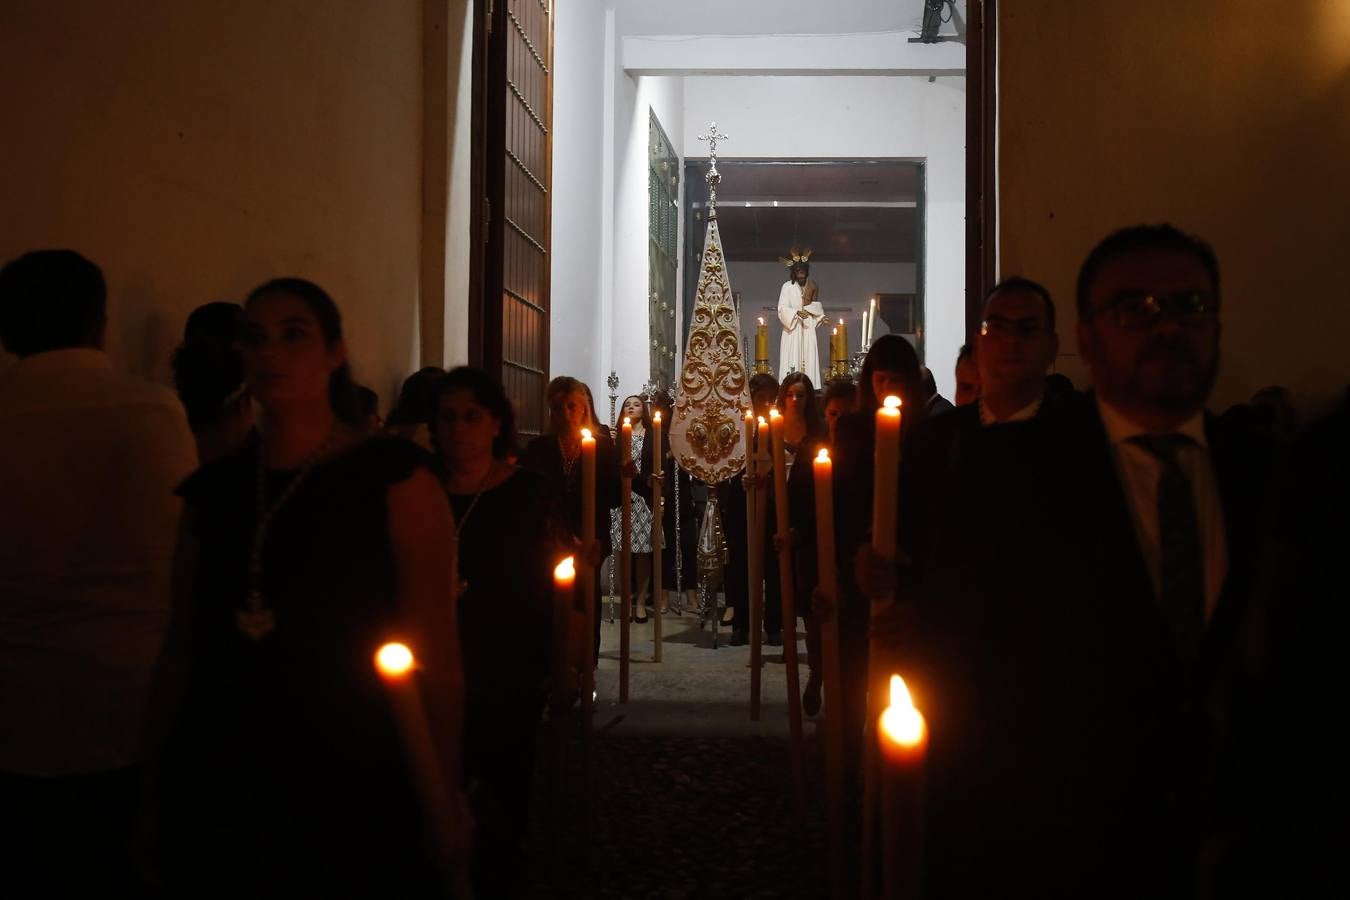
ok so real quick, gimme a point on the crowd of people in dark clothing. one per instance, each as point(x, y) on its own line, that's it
point(1115, 608)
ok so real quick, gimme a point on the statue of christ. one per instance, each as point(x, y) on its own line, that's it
point(800, 312)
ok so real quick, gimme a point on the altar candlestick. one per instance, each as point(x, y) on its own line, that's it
point(865, 332)
point(843, 340)
point(902, 735)
point(834, 348)
point(835, 745)
point(397, 668)
point(785, 588)
point(625, 556)
point(761, 341)
point(658, 468)
point(872, 322)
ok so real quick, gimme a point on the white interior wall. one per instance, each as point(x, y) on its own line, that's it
point(194, 152)
point(845, 289)
point(577, 344)
point(633, 98)
point(852, 117)
point(458, 234)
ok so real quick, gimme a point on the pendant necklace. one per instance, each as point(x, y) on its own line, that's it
point(568, 462)
point(258, 621)
point(464, 519)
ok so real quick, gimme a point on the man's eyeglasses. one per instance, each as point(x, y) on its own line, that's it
point(1138, 310)
point(1011, 328)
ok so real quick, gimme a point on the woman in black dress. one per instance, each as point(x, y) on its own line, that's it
point(280, 767)
point(804, 434)
point(510, 538)
point(557, 456)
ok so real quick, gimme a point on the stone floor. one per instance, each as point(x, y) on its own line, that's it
point(692, 799)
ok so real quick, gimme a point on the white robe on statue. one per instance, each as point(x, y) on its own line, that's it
point(798, 351)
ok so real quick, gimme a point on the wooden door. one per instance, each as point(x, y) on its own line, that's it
point(513, 112)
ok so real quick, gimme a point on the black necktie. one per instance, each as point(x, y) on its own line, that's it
point(1180, 559)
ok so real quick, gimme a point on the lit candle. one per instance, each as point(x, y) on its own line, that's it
point(834, 347)
point(843, 340)
point(756, 553)
point(785, 590)
point(586, 650)
point(564, 585)
point(761, 341)
point(658, 467)
point(625, 556)
point(754, 567)
point(885, 478)
point(835, 745)
point(864, 327)
point(902, 735)
point(397, 668)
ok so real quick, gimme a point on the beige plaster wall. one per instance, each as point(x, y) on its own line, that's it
point(1231, 120)
point(194, 150)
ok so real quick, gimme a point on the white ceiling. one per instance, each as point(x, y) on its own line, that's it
point(711, 17)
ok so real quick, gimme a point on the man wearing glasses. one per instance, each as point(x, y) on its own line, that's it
point(1082, 614)
point(1016, 345)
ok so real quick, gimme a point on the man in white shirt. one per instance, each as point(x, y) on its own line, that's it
point(88, 462)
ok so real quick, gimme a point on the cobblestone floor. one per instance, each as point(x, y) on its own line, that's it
point(692, 799)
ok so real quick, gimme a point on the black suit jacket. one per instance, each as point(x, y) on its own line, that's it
point(1072, 750)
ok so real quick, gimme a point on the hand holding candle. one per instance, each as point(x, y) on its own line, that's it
point(625, 555)
point(658, 590)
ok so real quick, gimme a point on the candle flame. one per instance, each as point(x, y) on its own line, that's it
point(834, 331)
point(761, 320)
point(762, 423)
point(901, 722)
point(823, 455)
point(841, 321)
point(891, 402)
point(628, 423)
point(656, 417)
point(750, 415)
point(586, 434)
point(394, 660)
point(566, 570)
point(773, 413)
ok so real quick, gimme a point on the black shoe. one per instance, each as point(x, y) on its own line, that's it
point(641, 621)
point(811, 697)
point(738, 637)
point(774, 639)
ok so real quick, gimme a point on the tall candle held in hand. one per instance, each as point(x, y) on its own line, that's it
point(564, 584)
point(658, 589)
point(625, 552)
point(587, 486)
point(902, 735)
point(761, 340)
point(885, 478)
point(823, 469)
point(625, 440)
point(749, 441)
point(397, 668)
